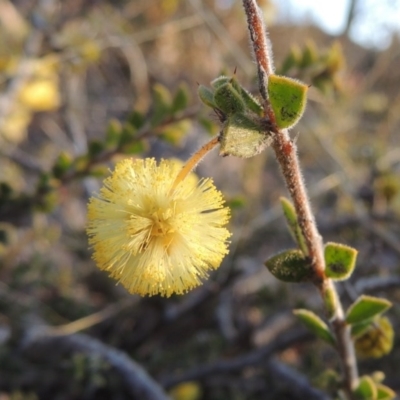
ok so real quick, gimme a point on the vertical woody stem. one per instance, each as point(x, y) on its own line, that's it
point(286, 153)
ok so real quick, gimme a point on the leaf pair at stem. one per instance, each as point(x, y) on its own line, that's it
point(245, 131)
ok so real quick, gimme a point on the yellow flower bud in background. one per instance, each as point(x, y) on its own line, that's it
point(186, 391)
point(40, 95)
point(377, 341)
point(14, 125)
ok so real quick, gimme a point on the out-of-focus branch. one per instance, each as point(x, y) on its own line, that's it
point(293, 382)
point(38, 343)
point(252, 359)
point(350, 17)
point(377, 283)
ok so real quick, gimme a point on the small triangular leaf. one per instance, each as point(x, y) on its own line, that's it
point(366, 389)
point(206, 95)
point(221, 80)
point(340, 261)
point(290, 266)
point(315, 325)
point(366, 307)
point(294, 228)
point(288, 99)
point(228, 99)
point(251, 102)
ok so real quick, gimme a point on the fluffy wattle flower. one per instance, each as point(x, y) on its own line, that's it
point(153, 238)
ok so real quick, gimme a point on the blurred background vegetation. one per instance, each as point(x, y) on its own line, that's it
point(86, 82)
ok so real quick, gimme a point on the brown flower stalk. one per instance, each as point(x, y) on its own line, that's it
point(286, 153)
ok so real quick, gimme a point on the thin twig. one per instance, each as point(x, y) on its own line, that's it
point(286, 153)
point(92, 319)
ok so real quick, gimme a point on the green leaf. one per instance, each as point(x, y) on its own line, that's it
point(365, 308)
point(237, 202)
point(340, 261)
point(62, 165)
point(221, 80)
point(228, 99)
point(181, 99)
point(330, 300)
point(137, 119)
point(309, 56)
point(294, 227)
point(384, 392)
point(288, 99)
point(290, 266)
point(360, 328)
point(366, 389)
point(113, 132)
point(128, 134)
point(135, 147)
point(206, 95)
point(162, 103)
point(95, 148)
point(251, 102)
point(81, 163)
point(242, 137)
point(291, 60)
point(174, 133)
point(47, 202)
point(315, 325)
point(335, 59)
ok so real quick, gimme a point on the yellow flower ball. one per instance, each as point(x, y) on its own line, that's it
point(152, 238)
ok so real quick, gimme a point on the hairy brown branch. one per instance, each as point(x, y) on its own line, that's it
point(286, 153)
